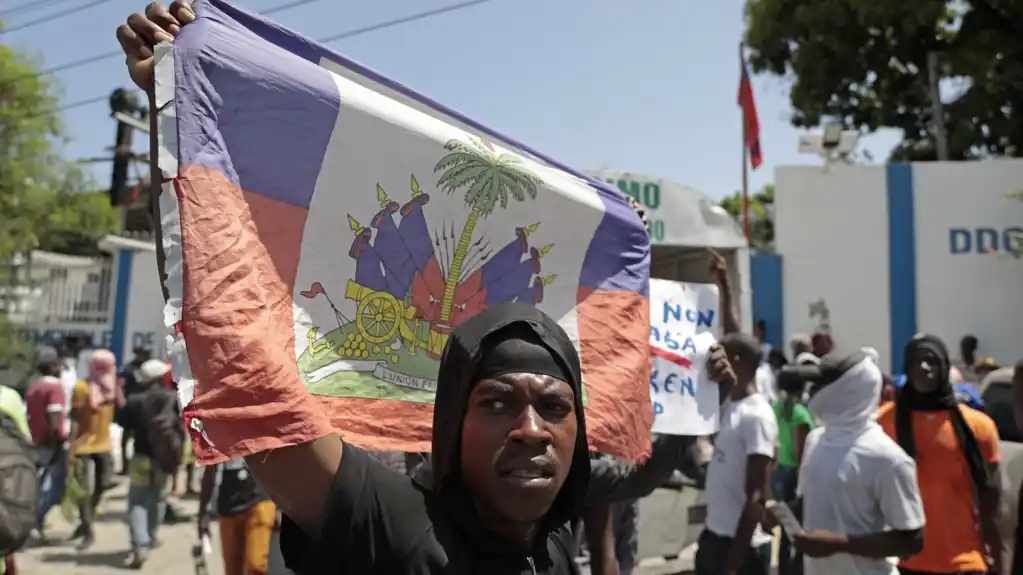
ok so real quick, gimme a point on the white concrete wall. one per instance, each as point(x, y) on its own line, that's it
point(969, 293)
point(832, 231)
point(831, 228)
point(145, 307)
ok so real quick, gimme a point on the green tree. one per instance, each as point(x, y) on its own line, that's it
point(760, 215)
point(864, 64)
point(44, 202)
point(489, 178)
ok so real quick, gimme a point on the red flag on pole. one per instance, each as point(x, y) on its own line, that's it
point(751, 125)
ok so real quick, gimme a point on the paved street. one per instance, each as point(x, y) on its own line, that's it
point(109, 554)
point(658, 535)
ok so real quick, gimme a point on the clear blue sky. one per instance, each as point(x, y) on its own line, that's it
point(641, 85)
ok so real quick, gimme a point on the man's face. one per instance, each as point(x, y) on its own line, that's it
point(53, 369)
point(142, 356)
point(518, 438)
point(923, 371)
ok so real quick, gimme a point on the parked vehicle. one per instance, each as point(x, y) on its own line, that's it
point(672, 517)
point(996, 391)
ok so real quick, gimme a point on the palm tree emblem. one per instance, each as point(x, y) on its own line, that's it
point(488, 178)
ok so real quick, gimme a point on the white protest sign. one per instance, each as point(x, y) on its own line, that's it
point(684, 323)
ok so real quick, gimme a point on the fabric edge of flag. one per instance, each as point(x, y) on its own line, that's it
point(293, 423)
point(616, 423)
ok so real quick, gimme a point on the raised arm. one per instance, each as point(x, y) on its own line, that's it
point(729, 313)
point(612, 480)
point(297, 478)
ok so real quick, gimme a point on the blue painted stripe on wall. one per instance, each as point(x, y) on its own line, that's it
point(122, 287)
point(901, 260)
point(768, 302)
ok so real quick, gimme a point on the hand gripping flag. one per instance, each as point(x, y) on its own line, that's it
point(325, 228)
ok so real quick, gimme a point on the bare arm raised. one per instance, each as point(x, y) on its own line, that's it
point(297, 478)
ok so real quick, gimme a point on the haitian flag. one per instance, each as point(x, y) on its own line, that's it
point(325, 229)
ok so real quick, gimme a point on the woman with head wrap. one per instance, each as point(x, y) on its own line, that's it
point(92, 411)
point(957, 452)
point(858, 495)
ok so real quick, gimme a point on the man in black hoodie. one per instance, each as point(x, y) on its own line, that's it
point(509, 467)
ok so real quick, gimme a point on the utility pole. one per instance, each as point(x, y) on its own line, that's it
point(124, 105)
point(937, 109)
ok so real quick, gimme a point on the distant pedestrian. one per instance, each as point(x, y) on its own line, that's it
point(246, 517)
point(45, 403)
point(130, 381)
point(16, 506)
point(1017, 409)
point(149, 476)
point(794, 425)
point(90, 453)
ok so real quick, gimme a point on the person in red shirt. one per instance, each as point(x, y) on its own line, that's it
point(45, 402)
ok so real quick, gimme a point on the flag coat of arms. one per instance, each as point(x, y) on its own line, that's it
point(325, 228)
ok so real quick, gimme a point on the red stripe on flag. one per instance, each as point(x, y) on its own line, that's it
point(671, 356)
point(751, 123)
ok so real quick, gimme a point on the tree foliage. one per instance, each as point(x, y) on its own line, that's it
point(45, 200)
point(760, 215)
point(863, 63)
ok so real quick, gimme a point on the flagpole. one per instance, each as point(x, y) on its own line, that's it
point(745, 157)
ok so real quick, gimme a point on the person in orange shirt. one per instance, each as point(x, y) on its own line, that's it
point(957, 454)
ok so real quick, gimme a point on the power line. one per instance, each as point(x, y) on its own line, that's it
point(53, 17)
point(403, 20)
point(29, 6)
point(341, 36)
point(115, 53)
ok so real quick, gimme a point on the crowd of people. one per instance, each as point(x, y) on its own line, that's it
point(67, 421)
point(885, 473)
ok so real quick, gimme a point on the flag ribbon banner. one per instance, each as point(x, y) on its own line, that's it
point(326, 228)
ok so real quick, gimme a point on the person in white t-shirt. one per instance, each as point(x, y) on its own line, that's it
point(733, 542)
point(859, 498)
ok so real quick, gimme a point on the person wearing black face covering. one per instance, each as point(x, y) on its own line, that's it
point(509, 468)
point(957, 452)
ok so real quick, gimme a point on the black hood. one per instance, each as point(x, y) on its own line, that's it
point(941, 399)
point(933, 344)
point(454, 385)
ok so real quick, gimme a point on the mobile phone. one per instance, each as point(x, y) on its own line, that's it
point(783, 513)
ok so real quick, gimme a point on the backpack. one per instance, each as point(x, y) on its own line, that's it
point(19, 487)
point(164, 430)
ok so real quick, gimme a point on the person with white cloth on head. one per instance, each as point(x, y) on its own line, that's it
point(858, 495)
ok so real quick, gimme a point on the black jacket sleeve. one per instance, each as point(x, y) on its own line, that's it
point(612, 480)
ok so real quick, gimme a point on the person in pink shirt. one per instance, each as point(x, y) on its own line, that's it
point(45, 402)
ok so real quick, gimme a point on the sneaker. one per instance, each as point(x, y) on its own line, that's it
point(137, 559)
point(78, 533)
point(86, 542)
